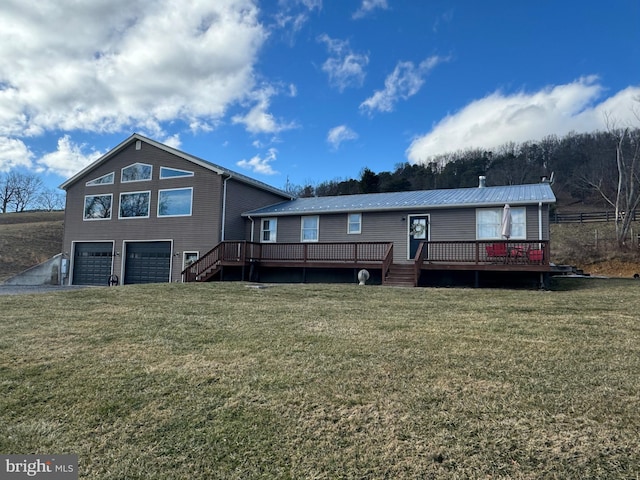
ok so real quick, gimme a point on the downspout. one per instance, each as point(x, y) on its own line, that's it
point(540, 221)
point(252, 226)
point(224, 207)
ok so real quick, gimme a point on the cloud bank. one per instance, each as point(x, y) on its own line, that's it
point(116, 64)
point(499, 118)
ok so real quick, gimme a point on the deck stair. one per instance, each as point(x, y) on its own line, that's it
point(401, 276)
point(209, 273)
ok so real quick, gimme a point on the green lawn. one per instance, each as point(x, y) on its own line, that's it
point(199, 381)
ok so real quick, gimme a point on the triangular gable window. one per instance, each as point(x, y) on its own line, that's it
point(166, 172)
point(103, 180)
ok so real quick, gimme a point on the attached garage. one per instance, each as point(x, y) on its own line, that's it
point(147, 262)
point(92, 263)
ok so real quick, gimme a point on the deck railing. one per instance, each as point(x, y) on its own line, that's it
point(518, 252)
point(337, 252)
point(369, 254)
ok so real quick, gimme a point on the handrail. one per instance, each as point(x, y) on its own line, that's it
point(386, 263)
point(418, 260)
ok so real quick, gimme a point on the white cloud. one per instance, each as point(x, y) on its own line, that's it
point(126, 65)
point(344, 67)
point(404, 82)
point(14, 153)
point(68, 159)
point(369, 6)
point(499, 118)
point(294, 14)
point(258, 119)
point(260, 165)
point(340, 134)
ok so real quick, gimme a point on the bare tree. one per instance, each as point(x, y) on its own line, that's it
point(50, 199)
point(8, 185)
point(27, 187)
point(622, 192)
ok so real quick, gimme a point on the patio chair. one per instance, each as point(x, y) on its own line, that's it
point(497, 251)
point(535, 255)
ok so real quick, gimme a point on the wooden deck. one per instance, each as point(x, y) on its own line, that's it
point(499, 256)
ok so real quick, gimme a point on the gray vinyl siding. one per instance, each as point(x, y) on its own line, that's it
point(241, 198)
point(198, 232)
point(455, 224)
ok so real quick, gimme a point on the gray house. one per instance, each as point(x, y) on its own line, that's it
point(145, 212)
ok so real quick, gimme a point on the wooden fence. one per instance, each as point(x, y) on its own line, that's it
point(587, 217)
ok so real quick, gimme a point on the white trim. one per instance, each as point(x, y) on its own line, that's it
point(359, 231)
point(72, 256)
point(190, 158)
point(302, 229)
point(271, 230)
point(500, 237)
point(187, 173)
point(408, 230)
point(133, 193)
point(91, 184)
point(84, 206)
point(137, 180)
point(123, 256)
point(188, 252)
point(173, 190)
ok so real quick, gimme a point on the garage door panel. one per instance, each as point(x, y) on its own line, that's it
point(92, 262)
point(147, 262)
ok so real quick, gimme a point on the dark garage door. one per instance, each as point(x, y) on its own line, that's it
point(92, 263)
point(147, 262)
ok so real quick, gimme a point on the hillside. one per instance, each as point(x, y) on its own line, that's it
point(27, 239)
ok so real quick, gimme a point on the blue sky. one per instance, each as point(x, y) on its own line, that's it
point(307, 91)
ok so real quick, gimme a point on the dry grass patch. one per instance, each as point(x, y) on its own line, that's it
point(326, 381)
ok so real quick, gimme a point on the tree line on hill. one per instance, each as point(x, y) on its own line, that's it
point(25, 191)
point(584, 167)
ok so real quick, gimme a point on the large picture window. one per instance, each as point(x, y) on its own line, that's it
point(175, 202)
point(97, 207)
point(310, 229)
point(137, 172)
point(489, 220)
point(134, 205)
point(268, 230)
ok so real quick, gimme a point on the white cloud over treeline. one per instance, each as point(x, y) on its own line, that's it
point(499, 118)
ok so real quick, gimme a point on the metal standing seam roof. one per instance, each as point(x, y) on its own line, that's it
point(446, 198)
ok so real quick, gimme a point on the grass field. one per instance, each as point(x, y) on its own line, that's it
point(206, 381)
point(28, 238)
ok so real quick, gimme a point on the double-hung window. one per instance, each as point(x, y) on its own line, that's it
point(489, 221)
point(268, 230)
point(354, 223)
point(310, 229)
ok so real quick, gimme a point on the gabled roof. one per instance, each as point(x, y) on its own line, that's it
point(190, 158)
point(514, 195)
